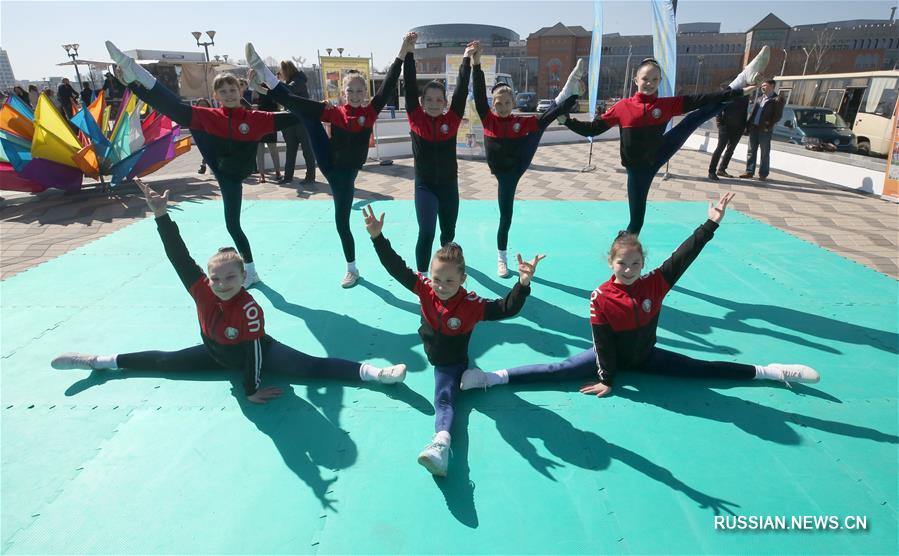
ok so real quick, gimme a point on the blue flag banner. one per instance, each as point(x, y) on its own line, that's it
point(664, 43)
point(595, 56)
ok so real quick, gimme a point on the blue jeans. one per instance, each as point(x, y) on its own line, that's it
point(759, 139)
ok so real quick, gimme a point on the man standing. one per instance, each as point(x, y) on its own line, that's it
point(766, 112)
point(66, 96)
point(731, 125)
point(296, 137)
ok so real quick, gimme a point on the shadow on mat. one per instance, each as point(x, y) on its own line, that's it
point(333, 330)
point(809, 323)
point(518, 421)
point(699, 398)
point(457, 487)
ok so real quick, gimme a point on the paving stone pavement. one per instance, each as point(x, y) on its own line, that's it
point(858, 226)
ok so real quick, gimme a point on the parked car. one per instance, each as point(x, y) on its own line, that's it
point(544, 105)
point(804, 125)
point(526, 102)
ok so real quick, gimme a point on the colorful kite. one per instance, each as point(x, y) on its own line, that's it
point(40, 149)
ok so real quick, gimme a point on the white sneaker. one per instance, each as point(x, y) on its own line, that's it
point(251, 278)
point(502, 269)
point(435, 457)
point(796, 373)
point(392, 374)
point(68, 361)
point(474, 378)
point(349, 280)
point(573, 84)
point(131, 72)
point(753, 70)
point(262, 75)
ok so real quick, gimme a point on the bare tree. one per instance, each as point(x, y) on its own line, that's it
point(824, 43)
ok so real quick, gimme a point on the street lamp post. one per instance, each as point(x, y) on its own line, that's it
point(807, 54)
point(204, 44)
point(340, 50)
point(783, 67)
point(699, 60)
point(627, 71)
point(72, 52)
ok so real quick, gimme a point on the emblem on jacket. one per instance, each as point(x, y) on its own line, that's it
point(516, 127)
point(454, 323)
point(647, 305)
point(243, 128)
point(657, 113)
point(231, 333)
point(444, 129)
point(361, 120)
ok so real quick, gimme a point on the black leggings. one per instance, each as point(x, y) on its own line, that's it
point(232, 196)
point(659, 362)
point(639, 178)
point(433, 203)
point(277, 359)
point(728, 137)
point(507, 183)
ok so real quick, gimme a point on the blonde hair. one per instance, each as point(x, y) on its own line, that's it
point(451, 253)
point(350, 76)
point(223, 79)
point(226, 255)
point(626, 240)
point(502, 89)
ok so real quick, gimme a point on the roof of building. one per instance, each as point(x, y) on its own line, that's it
point(561, 30)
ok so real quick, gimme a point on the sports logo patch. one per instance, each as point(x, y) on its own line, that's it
point(231, 333)
point(516, 127)
point(454, 323)
point(361, 120)
point(657, 113)
point(444, 129)
point(244, 128)
point(647, 305)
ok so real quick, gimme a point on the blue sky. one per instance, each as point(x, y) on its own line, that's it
point(33, 31)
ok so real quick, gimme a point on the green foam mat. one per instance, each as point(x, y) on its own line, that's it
point(152, 463)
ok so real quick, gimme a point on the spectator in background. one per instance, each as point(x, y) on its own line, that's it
point(296, 136)
point(265, 103)
point(22, 94)
point(731, 125)
point(766, 111)
point(205, 104)
point(87, 94)
point(246, 95)
point(33, 95)
point(66, 97)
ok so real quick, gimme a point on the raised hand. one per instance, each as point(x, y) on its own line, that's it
point(526, 269)
point(599, 389)
point(716, 212)
point(372, 224)
point(263, 395)
point(157, 203)
point(471, 48)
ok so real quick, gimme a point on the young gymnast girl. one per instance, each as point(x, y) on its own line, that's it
point(433, 132)
point(511, 141)
point(624, 315)
point(227, 137)
point(645, 145)
point(232, 327)
point(341, 156)
point(449, 314)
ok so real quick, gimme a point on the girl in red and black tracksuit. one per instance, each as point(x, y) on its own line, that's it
point(434, 150)
point(511, 141)
point(449, 314)
point(624, 315)
point(341, 156)
point(227, 137)
point(645, 146)
point(232, 328)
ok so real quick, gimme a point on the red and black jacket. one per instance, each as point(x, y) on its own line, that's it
point(233, 331)
point(351, 128)
point(226, 137)
point(642, 119)
point(504, 137)
point(446, 326)
point(625, 318)
point(434, 139)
